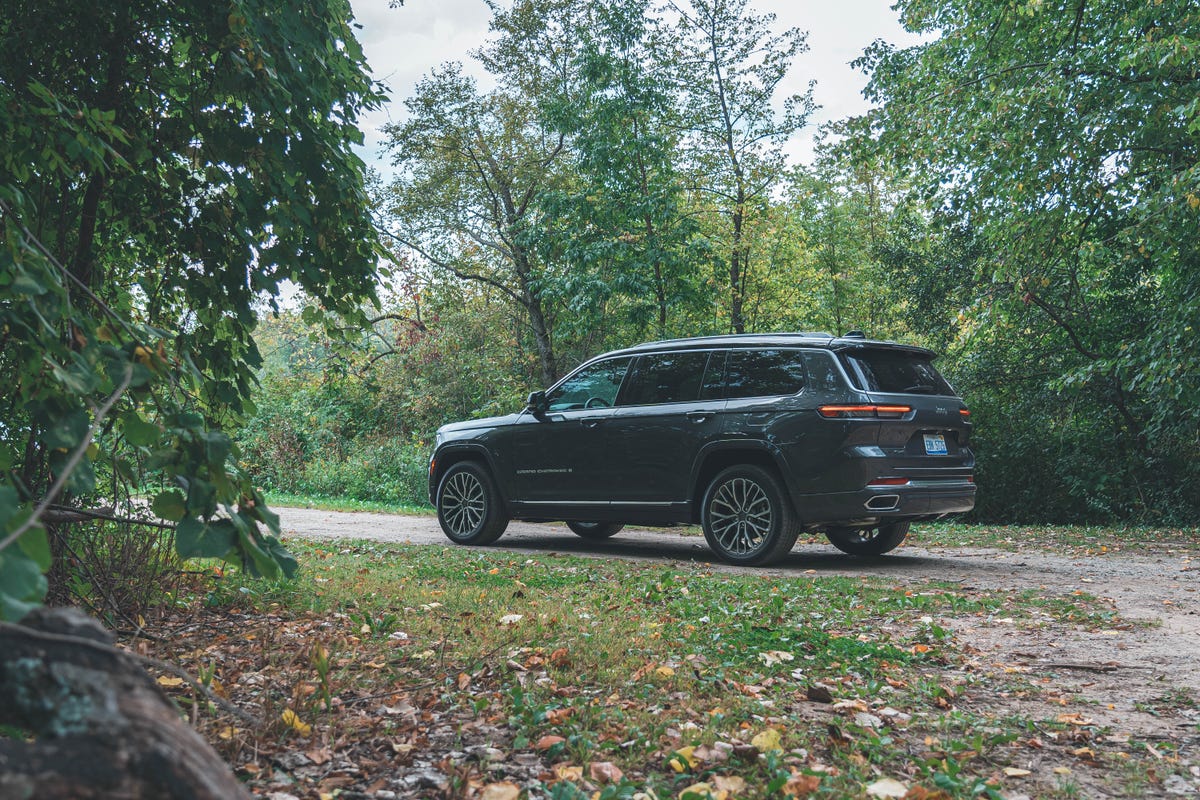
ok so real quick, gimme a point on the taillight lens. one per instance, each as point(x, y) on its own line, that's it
point(965, 413)
point(889, 482)
point(869, 411)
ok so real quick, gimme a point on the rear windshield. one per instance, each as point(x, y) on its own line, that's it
point(894, 372)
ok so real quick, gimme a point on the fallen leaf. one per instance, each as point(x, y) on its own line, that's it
point(511, 619)
point(293, 721)
point(730, 784)
point(683, 759)
point(546, 742)
point(568, 772)
point(802, 785)
point(767, 741)
point(170, 682)
point(887, 787)
point(772, 657)
point(1016, 772)
point(605, 772)
point(560, 658)
point(318, 755)
point(500, 791)
point(819, 694)
point(701, 791)
point(664, 672)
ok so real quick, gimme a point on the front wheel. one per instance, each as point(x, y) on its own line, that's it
point(469, 507)
point(868, 541)
point(595, 530)
point(746, 517)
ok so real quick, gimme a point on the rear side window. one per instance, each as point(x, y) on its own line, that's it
point(895, 372)
point(665, 378)
point(763, 373)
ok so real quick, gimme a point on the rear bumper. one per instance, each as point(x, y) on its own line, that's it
point(886, 502)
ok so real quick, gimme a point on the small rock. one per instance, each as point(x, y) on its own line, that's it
point(1178, 785)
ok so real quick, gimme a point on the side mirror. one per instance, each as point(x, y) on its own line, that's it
point(537, 405)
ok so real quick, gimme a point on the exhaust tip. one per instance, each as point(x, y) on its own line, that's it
point(883, 502)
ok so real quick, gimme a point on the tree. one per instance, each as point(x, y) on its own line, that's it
point(163, 168)
point(471, 168)
point(1066, 136)
point(622, 224)
point(732, 65)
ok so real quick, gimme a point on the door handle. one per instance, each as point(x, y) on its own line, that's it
point(699, 416)
point(591, 422)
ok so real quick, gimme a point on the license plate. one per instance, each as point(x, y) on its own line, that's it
point(935, 444)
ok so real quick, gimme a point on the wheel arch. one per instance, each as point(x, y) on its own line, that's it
point(729, 455)
point(447, 457)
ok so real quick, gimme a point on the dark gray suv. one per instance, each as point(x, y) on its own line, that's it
point(754, 437)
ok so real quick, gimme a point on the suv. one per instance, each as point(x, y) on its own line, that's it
point(754, 437)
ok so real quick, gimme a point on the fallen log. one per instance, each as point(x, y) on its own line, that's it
point(101, 726)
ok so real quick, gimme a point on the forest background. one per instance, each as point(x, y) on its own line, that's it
point(1023, 200)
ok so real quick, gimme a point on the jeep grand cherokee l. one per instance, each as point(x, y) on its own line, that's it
point(754, 437)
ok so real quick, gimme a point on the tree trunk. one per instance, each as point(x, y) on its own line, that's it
point(104, 729)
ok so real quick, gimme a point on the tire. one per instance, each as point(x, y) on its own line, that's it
point(868, 541)
point(469, 507)
point(747, 518)
point(595, 530)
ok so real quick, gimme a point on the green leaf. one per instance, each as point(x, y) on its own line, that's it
point(139, 432)
point(22, 584)
point(197, 539)
point(169, 505)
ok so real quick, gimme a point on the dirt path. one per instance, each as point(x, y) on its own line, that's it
point(1139, 677)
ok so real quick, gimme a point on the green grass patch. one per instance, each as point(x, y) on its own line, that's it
point(1055, 538)
point(283, 499)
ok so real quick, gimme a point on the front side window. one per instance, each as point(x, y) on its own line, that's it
point(592, 387)
point(665, 378)
point(895, 372)
point(763, 373)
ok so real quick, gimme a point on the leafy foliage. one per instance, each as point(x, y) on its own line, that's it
point(1065, 137)
point(162, 168)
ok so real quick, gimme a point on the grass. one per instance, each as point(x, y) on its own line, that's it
point(1092, 540)
point(676, 675)
point(343, 504)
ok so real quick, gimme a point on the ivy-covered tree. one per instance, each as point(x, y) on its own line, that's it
point(164, 168)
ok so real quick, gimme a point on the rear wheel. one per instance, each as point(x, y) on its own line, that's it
point(868, 541)
point(595, 530)
point(746, 517)
point(469, 507)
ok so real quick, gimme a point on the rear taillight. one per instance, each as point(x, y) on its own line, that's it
point(965, 413)
point(868, 411)
point(889, 482)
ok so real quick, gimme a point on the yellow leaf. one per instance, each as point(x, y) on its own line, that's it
point(767, 741)
point(1016, 772)
point(170, 682)
point(682, 759)
point(664, 672)
point(293, 721)
point(702, 790)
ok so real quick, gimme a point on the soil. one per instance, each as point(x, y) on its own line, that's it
point(1134, 677)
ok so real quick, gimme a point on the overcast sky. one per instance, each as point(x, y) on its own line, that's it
point(403, 44)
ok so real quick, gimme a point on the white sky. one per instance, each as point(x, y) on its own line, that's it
point(403, 44)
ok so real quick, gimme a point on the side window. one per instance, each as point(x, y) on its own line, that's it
point(763, 373)
point(592, 387)
point(665, 378)
point(823, 373)
point(714, 377)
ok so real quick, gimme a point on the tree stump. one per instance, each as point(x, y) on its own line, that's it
point(102, 726)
